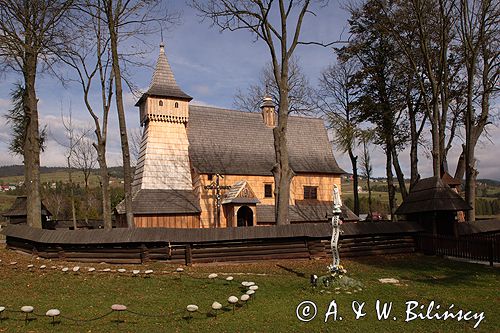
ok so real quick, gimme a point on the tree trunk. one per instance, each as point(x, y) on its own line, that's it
point(414, 176)
point(436, 158)
point(86, 214)
point(399, 174)
point(127, 171)
point(460, 171)
point(72, 191)
point(32, 143)
point(370, 208)
point(355, 180)
point(103, 173)
point(282, 172)
point(391, 190)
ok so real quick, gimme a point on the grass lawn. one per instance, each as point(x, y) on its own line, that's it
point(282, 286)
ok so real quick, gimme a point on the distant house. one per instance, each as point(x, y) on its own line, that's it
point(17, 212)
point(434, 205)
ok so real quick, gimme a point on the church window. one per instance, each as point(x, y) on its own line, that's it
point(210, 177)
point(160, 103)
point(268, 190)
point(310, 192)
point(176, 105)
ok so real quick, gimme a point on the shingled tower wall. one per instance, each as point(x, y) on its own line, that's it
point(163, 162)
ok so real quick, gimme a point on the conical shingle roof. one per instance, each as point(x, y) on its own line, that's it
point(163, 83)
point(432, 195)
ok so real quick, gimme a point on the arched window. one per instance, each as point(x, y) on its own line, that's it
point(160, 103)
point(176, 105)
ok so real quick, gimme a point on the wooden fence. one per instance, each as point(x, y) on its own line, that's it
point(209, 245)
point(472, 247)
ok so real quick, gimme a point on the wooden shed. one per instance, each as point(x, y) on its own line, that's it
point(17, 212)
point(435, 205)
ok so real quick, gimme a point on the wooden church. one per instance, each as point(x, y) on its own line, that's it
point(204, 167)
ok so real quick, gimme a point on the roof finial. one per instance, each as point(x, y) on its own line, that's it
point(162, 45)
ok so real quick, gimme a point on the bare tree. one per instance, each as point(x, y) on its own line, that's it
point(71, 141)
point(336, 96)
point(300, 96)
point(129, 19)
point(479, 31)
point(30, 34)
point(89, 57)
point(366, 137)
point(278, 24)
point(85, 158)
point(424, 32)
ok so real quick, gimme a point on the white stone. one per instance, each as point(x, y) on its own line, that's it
point(43, 267)
point(179, 270)
point(253, 288)
point(2, 309)
point(91, 269)
point(244, 283)
point(31, 266)
point(13, 262)
point(216, 306)
point(232, 299)
point(212, 276)
point(388, 280)
point(27, 309)
point(53, 267)
point(122, 270)
point(65, 269)
point(245, 297)
point(250, 292)
point(107, 270)
point(229, 278)
point(149, 271)
point(118, 307)
point(136, 271)
point(192, 308)
point(249, 284)
point(76, 269)
point(53, 313)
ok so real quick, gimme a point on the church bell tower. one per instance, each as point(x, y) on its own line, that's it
point(163, 162)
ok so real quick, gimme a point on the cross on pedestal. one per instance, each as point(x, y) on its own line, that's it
point(215, 185)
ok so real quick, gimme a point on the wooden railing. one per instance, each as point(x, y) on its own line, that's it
point(472, 247)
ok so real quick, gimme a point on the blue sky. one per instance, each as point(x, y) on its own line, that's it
point(210, 66)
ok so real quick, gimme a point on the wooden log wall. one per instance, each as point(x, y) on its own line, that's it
point(167, 221)
point(217, 251)
point(374, 245)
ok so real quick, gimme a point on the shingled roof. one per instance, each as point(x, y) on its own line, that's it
point(163, 83)
point(432, 195)
point(162, 202)
point(18, 208)
point(319, 212)
point(239, 143)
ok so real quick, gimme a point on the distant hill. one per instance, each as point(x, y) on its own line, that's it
point(18, 170)
point(490, 182)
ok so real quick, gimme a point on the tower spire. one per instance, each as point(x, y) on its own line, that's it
point(163, 83)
